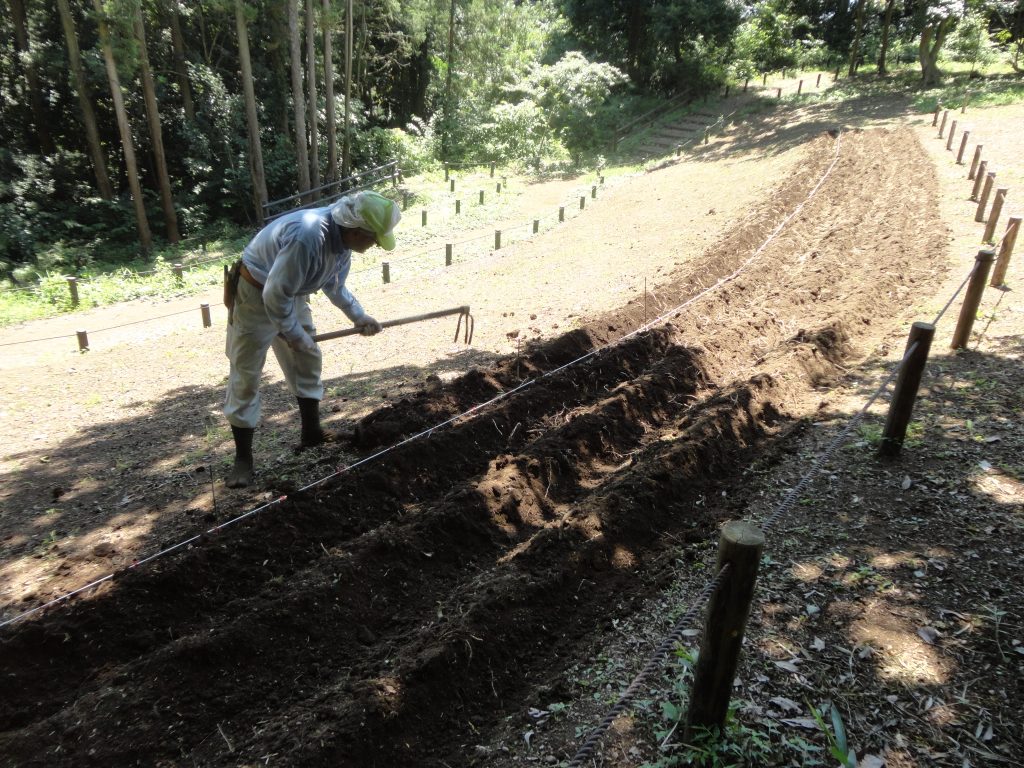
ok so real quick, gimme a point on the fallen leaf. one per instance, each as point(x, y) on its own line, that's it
point(801, 722)
point(907, 482)
point(818, 644)
point(787, 704)
point(789, 666)
point(928, 634)
point(871, 761)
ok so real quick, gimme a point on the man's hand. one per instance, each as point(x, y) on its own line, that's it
point(368, 326)
point(304, 343)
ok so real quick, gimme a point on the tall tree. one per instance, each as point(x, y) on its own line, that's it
point(298, 97)
point(314, 111)
point(858, 33)
point(346, 149)
point(883, 50)
point(131, 166)
point(180, 65)
point(92, 134)
point(156, 136)
point(259, 179)
point(327, 23)
point(939, 18)
point(23, 46)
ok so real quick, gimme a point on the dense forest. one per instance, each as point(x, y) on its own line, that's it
point(125, 123)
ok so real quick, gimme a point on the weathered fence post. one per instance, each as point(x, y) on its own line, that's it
point(593, 191)
point(405, 201)
point(458, 207)
point(952, 133)
point(451, 185)
point(764, 80)
point(972, 299)
point(993, 215)
point(497, 187)
point(583, 202)
point(986, 190)
point(481, 197)
point(963, 147)
point(83, 341)
point(446, 171)
point(448, 254)
point(739, 547)
point(935, 117)
point(979, 179)
point(204, 312)
point(904, 392)
point(974, 163)
point(492, 169)
point(778, 93)
point(536, 226)
point(799, 87)
point(817, 83)
point(179, 274)
point(386, 272)
point(73, 290)
point(942, 125)
point(423, 217)
point(497, 239)
point(746, 82)
point(1005, 251)
point(561, 213)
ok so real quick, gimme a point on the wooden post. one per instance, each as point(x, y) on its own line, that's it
point(405, 201)
point(204, 312)
point(536, 226)
point(481, 197)
point(739, 546)
point(817, 83)
point(986, 190)
point(974, 163)
point(972, 299)
point(1005, 251)
point(600, 180)
point(707, 134)
point(386, 272)
point(83, 341)
point(458, 207)
point(492, 169)
point(963, 147)
point(837, 75)
point(746, 82)
point(73, 290)
point(727, 90)
point(904, 392)
point(679, 150)
point(935, 117)
point(993, 215)
point(451, 186)
point(583, 202)
point(778, 93)
point(952, 132)
point(561, 213)
point(446, 171)
point(497, 187)
point(179, 275)
point(799, 87)
point(448, 254)
point(764, 79)
point(942, 125)
point(979, 179)
point(423, 217)
point(497, 239)
point(593, 191)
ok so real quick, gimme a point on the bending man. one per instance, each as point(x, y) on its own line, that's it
point(267, 294)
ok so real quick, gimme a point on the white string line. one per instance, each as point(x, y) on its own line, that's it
point(427, 432)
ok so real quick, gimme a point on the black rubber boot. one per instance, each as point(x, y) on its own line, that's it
point(240, 475)
point(312, 433)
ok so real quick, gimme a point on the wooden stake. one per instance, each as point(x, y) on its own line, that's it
point(974, 164)
point(908, 380)
point(204, 312)
point(942, 125)
point(990, 179)
point(73, 290)
point(83, 341)
point(952, 132)
point(993, 215)
point(979, 179)
point(448, 254)
point(972, 299)
point(386, 272)
point(963, 146)
point(497, 239)
point(1005, 251)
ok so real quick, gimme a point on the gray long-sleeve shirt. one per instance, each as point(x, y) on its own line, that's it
point(296, 255)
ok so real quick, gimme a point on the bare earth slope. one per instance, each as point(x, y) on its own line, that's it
point(397, 614)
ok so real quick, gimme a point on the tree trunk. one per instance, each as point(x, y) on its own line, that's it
point(932, 38)
point(883, 70)
point(314, 112)
point(180, 67)
point(298, 98)
point(131, 167)
point(155, 131)
point(332, 123)
point(92, 134)
point(346, 153)
point(23, 46)
point(448, 106)
point(259, 179)
point(857, 34)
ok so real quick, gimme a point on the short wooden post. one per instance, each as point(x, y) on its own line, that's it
point(904, 392)
point(593, 191)
point(799, 87)
point(974, 163)
point(1005, 251)
point(481, 197)
point(497, 187)
point(386, 272)
point(764, 80)
point(679, 150)
point(935, 116)
point(949, 140)
point(446, 171)
point(727, 90)
point(707, 135)
point(583, 202)
point(497, 239)
point(451, 185)
point(979, 179)
point(963, 147)
point(972, 299)
point(942, 125)
point(993, 215)
point(746, 82)
point(458, 207)
point(837, 75)
point(179, 275)
point(492, 169)
point(204, 312)
point(73, 290)
point(83, 341)
point(405, 201)
point(739, 546)
point(448, 247)
point(600, 180)
point(778, 93)
point(990, 179)
point(561, 213)
point(536, 226)
point(423, 217)
point(817, 83)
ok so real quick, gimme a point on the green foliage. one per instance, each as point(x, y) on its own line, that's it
point(970, 41)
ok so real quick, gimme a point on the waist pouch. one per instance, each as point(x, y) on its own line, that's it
point(231, 276)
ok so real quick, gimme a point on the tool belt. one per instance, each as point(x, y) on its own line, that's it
point(231, 276)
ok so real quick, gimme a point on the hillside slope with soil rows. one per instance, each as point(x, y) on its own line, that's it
point(397, 613)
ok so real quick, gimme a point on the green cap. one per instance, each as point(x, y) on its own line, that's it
point(380, 215)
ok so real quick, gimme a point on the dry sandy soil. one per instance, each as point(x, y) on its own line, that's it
point(481, 594)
